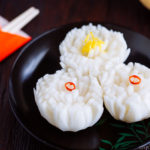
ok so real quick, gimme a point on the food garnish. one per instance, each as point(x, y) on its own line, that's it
point(90, 43)
point(134, 79)
point(70, 86)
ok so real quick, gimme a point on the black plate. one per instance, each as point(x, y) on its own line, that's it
point(41, 56)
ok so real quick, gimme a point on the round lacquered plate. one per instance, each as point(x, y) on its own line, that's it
point(41, 56)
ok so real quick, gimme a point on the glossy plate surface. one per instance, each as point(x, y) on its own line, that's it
point(41, 56)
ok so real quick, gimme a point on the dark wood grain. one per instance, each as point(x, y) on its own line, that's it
point(128, 13)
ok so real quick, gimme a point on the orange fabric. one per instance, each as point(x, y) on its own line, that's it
point(9, 43)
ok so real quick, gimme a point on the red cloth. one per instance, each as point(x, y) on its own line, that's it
point(9, 43)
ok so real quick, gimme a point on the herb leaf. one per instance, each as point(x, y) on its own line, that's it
point(140, 132)
point(106, 142)
point(102, 148)
point(126, 134)
point(120, 139)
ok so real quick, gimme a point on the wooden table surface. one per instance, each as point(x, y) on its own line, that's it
point(127, 13)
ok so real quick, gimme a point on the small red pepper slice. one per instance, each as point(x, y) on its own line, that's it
point(134, 79)
point(70, 86)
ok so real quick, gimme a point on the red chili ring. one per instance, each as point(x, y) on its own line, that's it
point(70, 84)
point(132, 81)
